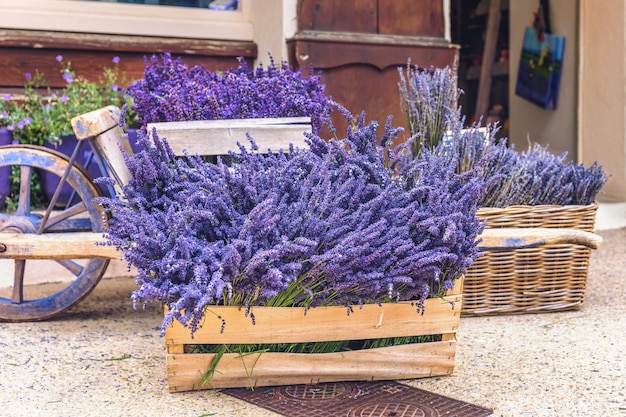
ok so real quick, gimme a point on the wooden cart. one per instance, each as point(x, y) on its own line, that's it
point(70, 236)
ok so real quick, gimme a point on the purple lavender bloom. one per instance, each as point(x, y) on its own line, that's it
point(7, 97)
point(116, 59)
point(59, 58)
point(534, 177)
point(68, 77)
point(171, 91)
point(27, 75)
point(333, 219)
point(63, 98)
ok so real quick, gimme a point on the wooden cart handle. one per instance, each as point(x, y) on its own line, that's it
point(92, 245)
point(518, 238)
point(76, 245)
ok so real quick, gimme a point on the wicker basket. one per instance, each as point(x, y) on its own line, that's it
point(533, 280)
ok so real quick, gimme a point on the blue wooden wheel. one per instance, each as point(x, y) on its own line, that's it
point(24, 302)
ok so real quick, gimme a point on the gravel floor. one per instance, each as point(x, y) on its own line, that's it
point(105, 359)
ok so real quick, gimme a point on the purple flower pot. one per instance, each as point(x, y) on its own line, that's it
point(5, 172)
point(50, 181)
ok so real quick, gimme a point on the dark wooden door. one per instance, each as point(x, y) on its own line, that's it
point(358, 45)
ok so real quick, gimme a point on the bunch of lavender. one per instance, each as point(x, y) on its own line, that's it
point(329, 224)
point(429, 100)
point(171, 91)
point(533, 177)
point(538, 177)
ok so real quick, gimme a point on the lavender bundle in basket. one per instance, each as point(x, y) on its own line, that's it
point(319, 226)
point(533, 177)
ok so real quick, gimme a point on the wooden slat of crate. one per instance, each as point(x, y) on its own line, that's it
point(267, 369)
point(319, 324)
point(218, 137)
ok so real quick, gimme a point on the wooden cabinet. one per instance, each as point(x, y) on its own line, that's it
point(358, 45)
point(402, 17)
point(413, 18)
point(339, 16)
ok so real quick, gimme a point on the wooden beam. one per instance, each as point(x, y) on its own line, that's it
point(518, 238)
point(218, 137)
point(93, 245)
point(127, 43)
point(79, 245)
point(489, 53)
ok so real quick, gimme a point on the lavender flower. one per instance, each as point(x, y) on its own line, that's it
point(429, 99)
point(534, 177)
point(68, 77)
point(171, 91)
point(331, 220)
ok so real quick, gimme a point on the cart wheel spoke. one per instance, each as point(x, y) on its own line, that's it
point(74, 267)
point(65, 214)
point(18, 282)
point(23, 206)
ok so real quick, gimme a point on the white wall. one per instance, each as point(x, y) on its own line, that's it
point(529, 122)
point(273, 22)
point(603, 98)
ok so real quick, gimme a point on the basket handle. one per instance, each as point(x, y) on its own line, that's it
point(519, 238)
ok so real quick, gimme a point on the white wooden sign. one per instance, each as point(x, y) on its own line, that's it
point(217, 137)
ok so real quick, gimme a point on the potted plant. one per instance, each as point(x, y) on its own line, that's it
point(253, 255)
point(533, 188)
point(41, 116)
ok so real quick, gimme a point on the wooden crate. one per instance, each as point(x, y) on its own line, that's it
point(291, 325)
point(538, 279)
point(185, 371)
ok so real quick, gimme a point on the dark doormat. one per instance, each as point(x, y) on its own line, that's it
point(356, 399)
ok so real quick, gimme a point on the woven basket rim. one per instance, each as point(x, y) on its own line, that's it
point(542, 207)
